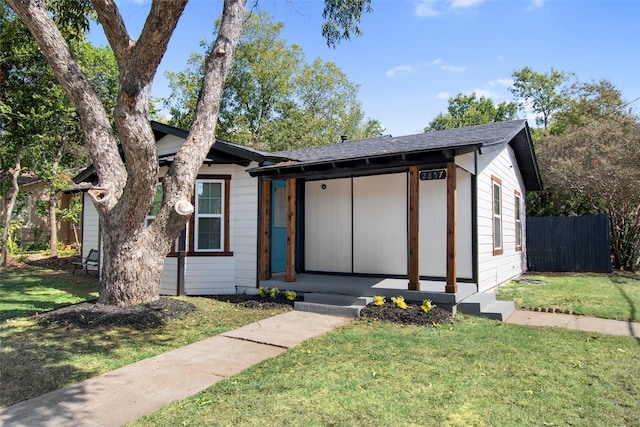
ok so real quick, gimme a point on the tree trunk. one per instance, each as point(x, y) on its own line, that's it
point(15, 174)
point(131, 271)
point(134, 254)
point(53, 224)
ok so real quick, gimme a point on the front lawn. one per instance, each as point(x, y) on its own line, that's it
point(37, 358)
point(610, 296)
point(29, 290)
point(473, 372)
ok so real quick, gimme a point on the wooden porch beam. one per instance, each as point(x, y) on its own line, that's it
point(451, 287)
point(265, 230)
point(290, 274)
point(414, 221)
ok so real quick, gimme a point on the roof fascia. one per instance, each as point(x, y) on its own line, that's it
point(371, 165)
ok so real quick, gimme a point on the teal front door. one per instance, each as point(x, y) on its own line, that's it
point(278, 227)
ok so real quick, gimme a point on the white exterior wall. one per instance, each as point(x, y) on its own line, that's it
point(209, 275)
point(357, 225)
point(206, 275)
point(328, 227)
point(494, 270)
point(169, 278)
point(433, 227)
point(90, 226)
point(380, 224)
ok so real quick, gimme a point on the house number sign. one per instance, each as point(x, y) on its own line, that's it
point(433, 174)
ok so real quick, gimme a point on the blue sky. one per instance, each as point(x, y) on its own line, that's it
point(415, 54)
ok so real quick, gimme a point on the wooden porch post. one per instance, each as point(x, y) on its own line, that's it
point(290, 274)
point(451, 287)
point(265, 230)
point(414, 220)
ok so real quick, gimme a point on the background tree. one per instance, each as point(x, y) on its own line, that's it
point(543, 93)
point(41, 124)
point(133, 253)
point(468, 110)
point(272, 98)
point(593, 152)
point(32, 104)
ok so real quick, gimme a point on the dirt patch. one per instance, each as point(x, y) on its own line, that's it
point(412, 315)
point(101, 316)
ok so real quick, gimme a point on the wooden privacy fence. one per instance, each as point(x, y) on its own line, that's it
point(569, 244)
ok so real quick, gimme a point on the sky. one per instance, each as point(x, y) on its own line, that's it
point(413, 55)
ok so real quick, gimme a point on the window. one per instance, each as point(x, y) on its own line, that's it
point(280, 207)
point(518, 207)
point(497, 215)
point(209, 216)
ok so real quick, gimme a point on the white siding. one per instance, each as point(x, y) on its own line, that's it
point(380, 224)
point(222, 274)
point(169, 279)
point(209, 275)
point(90, 226)
point(494, 270)
point(433, 227)
point(328, 225)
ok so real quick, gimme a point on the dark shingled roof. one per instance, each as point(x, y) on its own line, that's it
point(391, 151)
point(426, 141)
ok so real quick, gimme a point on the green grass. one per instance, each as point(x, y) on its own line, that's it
point(474, 372)
point(29, 290)
point(614, 296)
point(36, 359)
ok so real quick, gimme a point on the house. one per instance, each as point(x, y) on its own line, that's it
point(34, 230)
point(440, 214)
point(224, 263)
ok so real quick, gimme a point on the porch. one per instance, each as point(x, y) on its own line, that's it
point(358, 286)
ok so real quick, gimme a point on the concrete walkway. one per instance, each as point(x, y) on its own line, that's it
point(126, 394)
point(580, 323)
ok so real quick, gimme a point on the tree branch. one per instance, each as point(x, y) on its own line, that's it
point(114, 29)
point(180, 177)
point(154, 39)
point(94, 121)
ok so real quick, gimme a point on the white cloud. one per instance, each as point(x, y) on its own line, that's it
point(482, 92)
point(433, 8)
point(500, 58)
point(425, 8)
point(443, 95)
point(465, 4)
point(535, 4)
point(505, 82)
point(401, 70)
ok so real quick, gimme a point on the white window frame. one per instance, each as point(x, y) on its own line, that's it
point(198, 216)
point(498, 246)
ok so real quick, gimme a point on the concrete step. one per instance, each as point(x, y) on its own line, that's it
point(336, 299)
point(333, 310)
point(485, 305)
point(499, 310)
point(332, 304)
point(476, 303)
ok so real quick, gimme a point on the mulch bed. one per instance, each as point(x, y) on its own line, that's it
point(97, 316)
point(255, 301)
point(412, 315)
